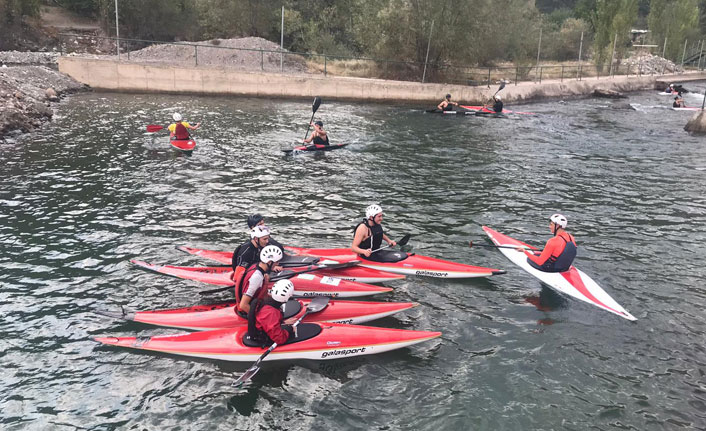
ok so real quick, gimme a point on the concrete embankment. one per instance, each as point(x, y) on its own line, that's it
point(112, 75)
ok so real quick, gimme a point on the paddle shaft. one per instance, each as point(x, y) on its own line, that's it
point(314, 108)
point(500, 246)
point(401, 242)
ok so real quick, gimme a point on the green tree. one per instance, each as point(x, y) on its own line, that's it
point(611, 19)
point(675, 20)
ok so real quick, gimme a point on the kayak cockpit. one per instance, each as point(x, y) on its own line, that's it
point(305, 331)
point(386, 256)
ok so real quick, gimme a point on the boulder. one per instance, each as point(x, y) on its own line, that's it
point(50, 94)
point(610, 94)
point(697, 123)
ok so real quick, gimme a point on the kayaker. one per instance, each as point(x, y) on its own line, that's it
point(678, 102)
point(669, 89)
point(369, 233)
point(251, 285)
point(178, 129)
point(497, 104)
point(447, 104)
point(559, 252)
point(248, 253)
point(319, 135)
point(265, 318)
point(259, 220)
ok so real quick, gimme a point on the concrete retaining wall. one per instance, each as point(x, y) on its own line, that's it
point(145, 78)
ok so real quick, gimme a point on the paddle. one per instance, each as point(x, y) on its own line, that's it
point(470, 244)
point(314, 107)
point(154, 128)
point(502, 85)
point(289, 274)
point(317, 304)
point(403, 241)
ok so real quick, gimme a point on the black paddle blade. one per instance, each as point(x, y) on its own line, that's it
point(502, 85)
point(316, 104)
point(247, 376)
point(404, 240)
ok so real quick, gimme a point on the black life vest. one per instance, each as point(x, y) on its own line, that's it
point(319, 141)
point(375, 239)
point(498, 106)
point(563, 262)
point(180, 132)
point(449, 106)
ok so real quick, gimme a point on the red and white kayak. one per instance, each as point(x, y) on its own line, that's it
point(573, 282)
point(686, 108)
point(314, 148)
point(186, 145)
point(222, 315)
point(481, 108)
point(355, 273)
point(331, 341)
point(305, 285)
point(412, 264)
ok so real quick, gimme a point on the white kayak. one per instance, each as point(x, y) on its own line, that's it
point(573, 282)
point(686, 108)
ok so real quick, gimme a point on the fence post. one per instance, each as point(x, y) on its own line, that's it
point(578, 69)
point(539, 47)
point(562, 73)
point(517, 74)
point(325, 71)
point(128, 51)
point(540, 74)
point(424, 74)
point(683, 53)
point(487, 81)
point(196, 55)
point(262, 59)
point(281, 44)
point(664, 50)
point(701, 52)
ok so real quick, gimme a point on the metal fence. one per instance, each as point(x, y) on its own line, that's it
point(282, 61)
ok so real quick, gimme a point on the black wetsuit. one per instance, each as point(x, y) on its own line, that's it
point(374, 241)
point(245, 255)
point(498, 106)
point(319, 141)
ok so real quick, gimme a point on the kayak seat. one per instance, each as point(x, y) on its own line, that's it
point(291, 308)
point(289, 260)
point(386, 256)
point(305, 331)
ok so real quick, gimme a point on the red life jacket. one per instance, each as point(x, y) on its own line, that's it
point(180, 132)
point(245, 281)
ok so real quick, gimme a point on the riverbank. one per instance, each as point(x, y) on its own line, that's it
point(29, 87)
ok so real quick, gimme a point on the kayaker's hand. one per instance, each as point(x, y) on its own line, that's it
point(392, 243)
point(520, 249)
point(277, 268)
point(367, 252)
point(290, 321)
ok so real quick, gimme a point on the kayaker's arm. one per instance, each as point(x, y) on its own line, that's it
point(245, 303)
point(195, 127)
point(546, 253)
point(392, 243)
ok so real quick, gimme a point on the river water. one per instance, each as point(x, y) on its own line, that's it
point(92, 190)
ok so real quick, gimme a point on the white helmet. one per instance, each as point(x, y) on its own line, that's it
point(259, 232)
point(282, 290)
point(372, 211)
point(497, 97)
point(176, 116)
point(559, 220)
point(270, 253)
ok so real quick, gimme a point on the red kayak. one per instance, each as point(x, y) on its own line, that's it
point(319, 341)
point(313, 148)
point(356, 273)
point(222, 315)
point(308, 284)
point(483, 109)
point(186, 145)
point(402, 263)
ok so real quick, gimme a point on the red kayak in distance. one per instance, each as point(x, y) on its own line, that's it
point(313, 148)
point(357, 273)
point(186, 146)
point(305, 285)
point(402, 263)
point(222, 315)
point(317, 341)
point(490, 111)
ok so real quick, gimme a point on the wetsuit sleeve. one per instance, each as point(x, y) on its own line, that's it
point(270, 320)
point(171, 127)
point(546, 253)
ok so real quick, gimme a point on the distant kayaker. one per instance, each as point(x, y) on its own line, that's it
point(265, 318)
point(447, 104)
point(678, 102)
point(497, 104)
point(259, 220)
point(670, 89)
point(319, 135)
point(559, 252)
point(251, 285)
point(369, 233)
point(248, 253)
point(178, 129)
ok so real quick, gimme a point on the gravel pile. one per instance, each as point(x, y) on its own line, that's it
point(13, 58)
point(653, 64)
point(215, 53)
point(26, 94)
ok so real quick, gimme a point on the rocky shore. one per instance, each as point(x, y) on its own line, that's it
point(29, 85)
